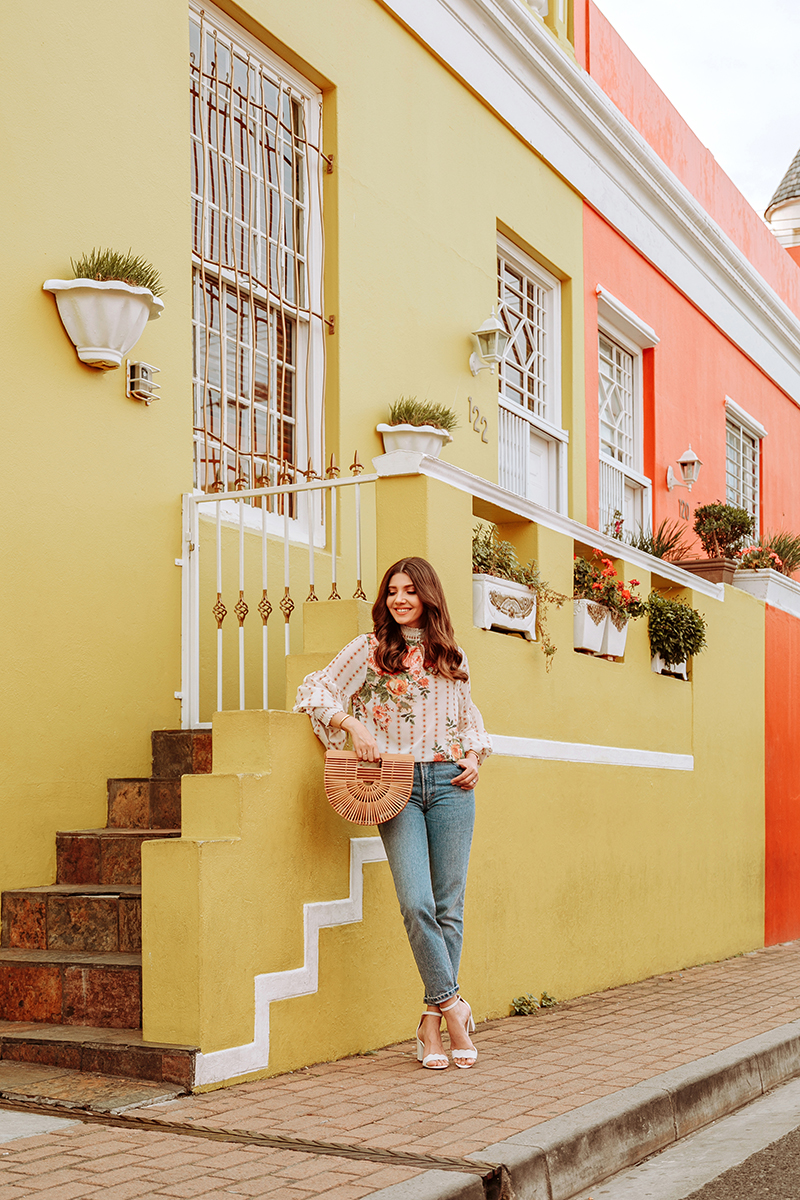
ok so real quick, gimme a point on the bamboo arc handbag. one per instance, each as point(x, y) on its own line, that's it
point(368, 793)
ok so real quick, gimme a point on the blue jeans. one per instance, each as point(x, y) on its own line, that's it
point(427, 845)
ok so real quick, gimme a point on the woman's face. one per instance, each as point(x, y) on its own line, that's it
point(403, 602)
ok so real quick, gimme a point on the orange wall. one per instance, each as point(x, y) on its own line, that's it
point(624, 80)
point(687, 378)
point(782, 866)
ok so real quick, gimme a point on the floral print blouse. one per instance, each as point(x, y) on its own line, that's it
point(413, 712)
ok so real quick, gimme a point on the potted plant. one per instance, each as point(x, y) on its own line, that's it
point(417, 425)
point(676, 631)
point(105, 308)
point(507, 595)
point(773, 552)
point(722, 529)
point(603, 605)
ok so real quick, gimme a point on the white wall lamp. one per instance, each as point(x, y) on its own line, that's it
point(492, 338)
point(690, 466)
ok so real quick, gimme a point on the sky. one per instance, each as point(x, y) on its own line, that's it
point(732, 70)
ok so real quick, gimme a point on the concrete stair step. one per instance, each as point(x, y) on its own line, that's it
point(179, 752)
point(106, 918)
point(97, 1051)
point(144, 803)
point(71, 987)
point(103, 855)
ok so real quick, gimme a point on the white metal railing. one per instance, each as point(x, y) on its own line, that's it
point(249, 516)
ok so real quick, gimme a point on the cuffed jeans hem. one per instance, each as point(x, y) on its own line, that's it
point(441, 999)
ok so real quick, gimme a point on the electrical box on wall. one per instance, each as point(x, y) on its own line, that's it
point(140, 384)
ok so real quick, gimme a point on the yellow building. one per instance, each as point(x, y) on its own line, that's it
point(333, 210)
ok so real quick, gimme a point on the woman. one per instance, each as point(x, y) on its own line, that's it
point(408, 685)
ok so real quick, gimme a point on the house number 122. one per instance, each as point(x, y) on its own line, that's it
point(479, 423)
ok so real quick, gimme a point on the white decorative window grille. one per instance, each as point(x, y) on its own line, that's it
point(257, 252)
point(623, 489)
point(742, 449)
point(532, 451)
point(616, 399)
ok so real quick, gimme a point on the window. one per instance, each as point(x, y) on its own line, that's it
point(743, 436)
point(623, 488)
point(257, 304)
point(532, 442)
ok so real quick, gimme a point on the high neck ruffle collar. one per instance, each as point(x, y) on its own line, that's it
point(412, 636)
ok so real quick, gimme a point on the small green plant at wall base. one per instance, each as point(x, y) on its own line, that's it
point(676, 630)
point(722, 528)
point(107, 265)
point(492, 555)
point(408, 410)
point(529, 1005)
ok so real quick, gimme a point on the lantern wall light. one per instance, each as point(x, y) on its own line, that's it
point(492, 338)
point(690, 466)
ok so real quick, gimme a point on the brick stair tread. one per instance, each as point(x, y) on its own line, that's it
point(73, 958)
point(32, 1031)
point(78, 889)
point(119, 831)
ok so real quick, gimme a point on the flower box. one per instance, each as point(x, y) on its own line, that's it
point(660, 667)
point(715, 570)
point(103, 318)
point(500, 604)
point(589, 623)
point(421, 439)
point(615, 634)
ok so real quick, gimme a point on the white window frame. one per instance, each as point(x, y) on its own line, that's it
point(745, 423)
point(548, 428)
point(309, 351)
point(619, 325)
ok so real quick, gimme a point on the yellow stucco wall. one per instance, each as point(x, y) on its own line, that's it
point(97, 154)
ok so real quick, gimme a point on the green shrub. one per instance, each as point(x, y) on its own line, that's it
point(722, 528)
point(676, 630)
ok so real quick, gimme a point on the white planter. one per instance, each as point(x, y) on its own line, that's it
point(660, 667)
point(780, 591)
point(104, 318)
point(421, 439)
point(615, 635)
point(501, 604)
point(588, 626)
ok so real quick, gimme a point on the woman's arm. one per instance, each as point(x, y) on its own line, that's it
point(325, 695)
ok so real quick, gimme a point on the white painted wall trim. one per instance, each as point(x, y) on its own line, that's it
point(610, 309)
point(583, 752)
point(772, 587)
point(743, 417)
point(508, 57)
point(464, 481)
point(235, 1061)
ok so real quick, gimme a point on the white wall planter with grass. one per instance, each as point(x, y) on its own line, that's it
point(417, 425)
point(502, 604)
point(105, 308)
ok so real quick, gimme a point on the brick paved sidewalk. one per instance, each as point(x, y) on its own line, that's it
point(530, 1069)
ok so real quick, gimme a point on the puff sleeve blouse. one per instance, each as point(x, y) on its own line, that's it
point(413, 712)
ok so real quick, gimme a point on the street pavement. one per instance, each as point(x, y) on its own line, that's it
point(531, 1071)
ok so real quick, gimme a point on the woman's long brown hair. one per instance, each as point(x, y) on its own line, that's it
point(442, 655)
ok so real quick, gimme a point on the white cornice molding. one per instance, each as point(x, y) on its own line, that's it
point(775, 589)
point(616, 313)
point(584, 752)
point(508, 57)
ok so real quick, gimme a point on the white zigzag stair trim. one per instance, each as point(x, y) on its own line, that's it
point(220, 1065)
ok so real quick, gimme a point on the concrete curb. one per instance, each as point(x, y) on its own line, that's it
point(558, 1158)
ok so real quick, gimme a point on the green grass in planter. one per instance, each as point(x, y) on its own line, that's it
point(408, 410)
point(108, 265)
